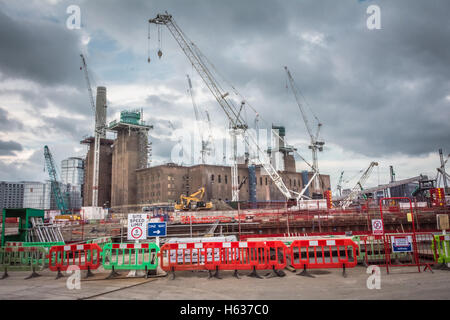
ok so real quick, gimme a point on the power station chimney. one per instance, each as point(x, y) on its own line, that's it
point(100, 110)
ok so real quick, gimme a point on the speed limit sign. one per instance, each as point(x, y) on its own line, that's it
point(377, 226)
point(137, 226)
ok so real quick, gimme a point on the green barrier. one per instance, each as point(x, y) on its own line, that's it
point(22, 259)
point(45, 245)
point(123, 256)
point(442, 248)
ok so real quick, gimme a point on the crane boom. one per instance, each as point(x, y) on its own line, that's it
point(197, 117)
point(237, 122)
point(300, 106)
point(315, 144)
point(51, 168)
point(359, 186)
point(98, 133)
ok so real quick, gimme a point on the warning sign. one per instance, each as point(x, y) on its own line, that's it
point(377, 227)
point(137, 226)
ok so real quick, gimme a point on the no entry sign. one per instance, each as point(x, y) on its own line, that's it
point(377, 226)
point(137, 226)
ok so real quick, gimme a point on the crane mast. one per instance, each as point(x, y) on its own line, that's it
point(359, 186)
point(339, 185)
point(315, 144)
point(51, 168)
point(199, 121)
point(99, 132)
point(237, 123)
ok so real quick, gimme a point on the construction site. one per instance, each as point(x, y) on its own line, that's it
point(254, 213)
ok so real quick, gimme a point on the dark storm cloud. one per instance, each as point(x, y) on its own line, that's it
point(8, 148)
point(38, 50)
point(376, 92)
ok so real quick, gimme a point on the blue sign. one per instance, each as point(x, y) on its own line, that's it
point(157, 229)
point(401, 243)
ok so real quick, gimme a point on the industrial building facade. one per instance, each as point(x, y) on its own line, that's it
point(165, 183)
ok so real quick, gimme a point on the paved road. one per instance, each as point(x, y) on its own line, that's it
point(402, 283)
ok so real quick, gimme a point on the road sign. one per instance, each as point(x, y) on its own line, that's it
point(157, 229)
point(377, 226)
point(401, 243)
point(137, 223)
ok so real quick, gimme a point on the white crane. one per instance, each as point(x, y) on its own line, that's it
point(234, 114)
point(339, 185)
point(315, 145)
point(358, 187)
point(441, 174)
point(205, 148)
point(179, 141)
point(99, 132)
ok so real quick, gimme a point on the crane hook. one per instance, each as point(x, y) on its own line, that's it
point(159, 53)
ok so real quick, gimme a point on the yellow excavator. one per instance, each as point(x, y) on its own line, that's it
point(194, 201)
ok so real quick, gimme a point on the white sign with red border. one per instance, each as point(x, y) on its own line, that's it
point(137, 226)
point(377, 227)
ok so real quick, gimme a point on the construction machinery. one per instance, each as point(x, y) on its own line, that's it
point(194, 201)
point(356, 190)
point(55, 184)
point(315, 145)
point(233, 110)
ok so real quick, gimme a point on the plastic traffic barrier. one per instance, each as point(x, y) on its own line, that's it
point(45, 245)
point(21, 259)
point(83, 256)
point(441, 248)
point(257, 255)
point(100, 241)
point(323, 254)
point(125, 256)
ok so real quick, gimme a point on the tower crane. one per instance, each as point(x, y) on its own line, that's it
point(179, 141)
point(339, 185)
point(358, 187)
point(99, 132)
point(441, 174)
point(200, 122)
point(233, 113)
point(51, 168)
point(315, 145)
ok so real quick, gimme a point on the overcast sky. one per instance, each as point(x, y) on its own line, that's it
point(382, 95)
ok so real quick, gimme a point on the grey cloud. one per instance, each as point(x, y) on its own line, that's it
point(9, 147)
point(8, 124)
point(42, 51)
point(376, 92)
